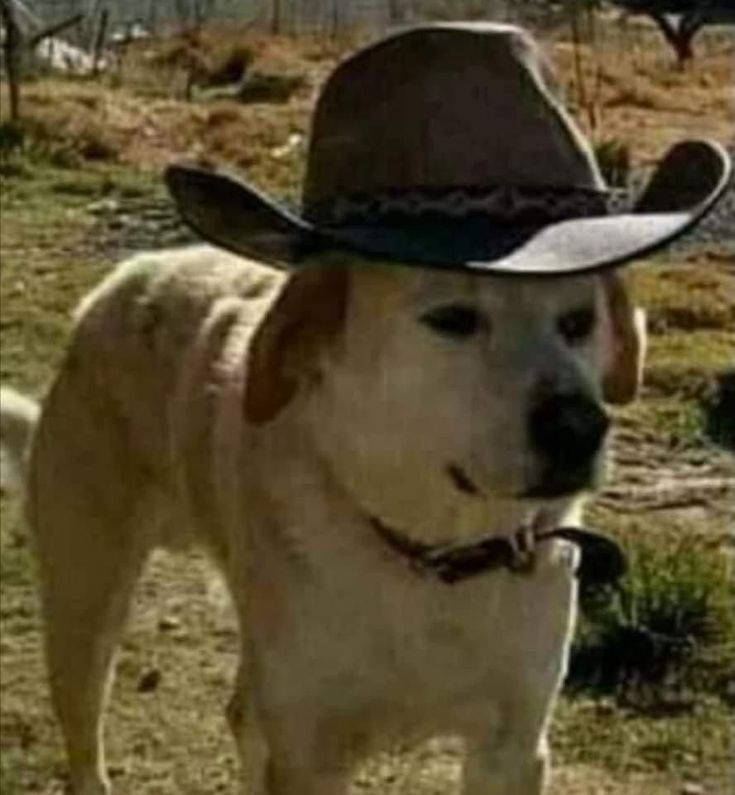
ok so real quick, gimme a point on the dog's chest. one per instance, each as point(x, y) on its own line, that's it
point(456, 643)
point(408, 655)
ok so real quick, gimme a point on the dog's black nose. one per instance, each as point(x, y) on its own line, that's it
point(568, 430)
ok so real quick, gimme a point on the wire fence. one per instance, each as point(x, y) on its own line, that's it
point(279, 16)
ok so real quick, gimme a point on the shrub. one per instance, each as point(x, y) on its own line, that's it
point(668, 631)
point(719, 408)
point(230, 67)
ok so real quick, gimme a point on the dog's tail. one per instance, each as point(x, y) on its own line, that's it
point(18, 418)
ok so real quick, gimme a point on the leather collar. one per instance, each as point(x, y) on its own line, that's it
point(602, 562)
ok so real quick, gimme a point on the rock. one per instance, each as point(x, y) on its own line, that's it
point(169, 623)
point(149, 681)
point(104, 207)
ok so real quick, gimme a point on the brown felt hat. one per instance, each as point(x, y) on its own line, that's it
point(445, 146)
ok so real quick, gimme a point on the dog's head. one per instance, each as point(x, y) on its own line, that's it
point(435, 395)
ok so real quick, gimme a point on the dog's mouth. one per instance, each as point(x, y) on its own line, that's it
point(552, 485)
point(461, 480)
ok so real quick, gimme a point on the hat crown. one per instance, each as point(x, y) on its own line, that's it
point(441, 108)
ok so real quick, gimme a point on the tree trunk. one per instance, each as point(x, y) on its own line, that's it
point(277, 17)
point(680, 36)
point(12, 47)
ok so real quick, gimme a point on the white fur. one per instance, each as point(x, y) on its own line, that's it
point(144, 441)
point(18, 417)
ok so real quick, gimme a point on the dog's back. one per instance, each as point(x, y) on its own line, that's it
point(134, 338)
point(103, 484)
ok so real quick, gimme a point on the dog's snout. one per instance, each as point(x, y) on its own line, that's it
point(568, 429)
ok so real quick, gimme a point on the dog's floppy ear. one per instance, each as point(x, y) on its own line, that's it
point(284, 356)
point(627, 348)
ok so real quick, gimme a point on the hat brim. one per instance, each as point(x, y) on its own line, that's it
point(688, 182)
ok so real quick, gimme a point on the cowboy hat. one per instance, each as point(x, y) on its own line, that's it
point(444, 146)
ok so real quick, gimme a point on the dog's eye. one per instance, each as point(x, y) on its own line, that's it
point(454, 320)
point(577, 325)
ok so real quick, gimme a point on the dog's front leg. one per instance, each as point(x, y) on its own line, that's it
point(285, 779)
point(506, 736)
point(506, 771)
point(518, 766)
point(305, 760)
point(246, 730)
point(508, 753)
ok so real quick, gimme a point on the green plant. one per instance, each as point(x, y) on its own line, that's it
point(613, 157)
point(667, 631)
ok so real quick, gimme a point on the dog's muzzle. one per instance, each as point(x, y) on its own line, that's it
point(567, 433)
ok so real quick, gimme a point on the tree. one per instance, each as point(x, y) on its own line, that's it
point(681, 20)
point(12, 53)
point(17, 43)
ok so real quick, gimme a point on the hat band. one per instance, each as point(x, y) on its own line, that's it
point(510, 205)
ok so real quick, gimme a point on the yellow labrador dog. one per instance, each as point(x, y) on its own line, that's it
point(204, 398)
point(377, 450)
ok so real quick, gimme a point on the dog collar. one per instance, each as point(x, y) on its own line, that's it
point(602, 560)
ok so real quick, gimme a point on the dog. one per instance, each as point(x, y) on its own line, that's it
point(382, 452)
point(205, 398)
point(18, 417)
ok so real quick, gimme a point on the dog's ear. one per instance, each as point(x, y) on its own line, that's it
point(307, 316)
point(627, 347)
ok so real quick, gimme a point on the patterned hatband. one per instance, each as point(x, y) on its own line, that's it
point(502, 204)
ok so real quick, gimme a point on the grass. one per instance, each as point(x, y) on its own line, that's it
point(648, 706)
point(667, 633)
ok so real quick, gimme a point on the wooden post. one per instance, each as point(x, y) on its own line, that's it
point(276, 17)
point(181, 15)
point(100, 39)
point(12, 47)
point(397, 12)
point(152, 22)
point(577, 50)
point(335, 19)
point(91, 19)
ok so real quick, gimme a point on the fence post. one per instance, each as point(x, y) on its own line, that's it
point(12, 46)
point(276, 16)
point(397, 12)
point(100, 39)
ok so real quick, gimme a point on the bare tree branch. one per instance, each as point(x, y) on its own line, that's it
point(53, 30)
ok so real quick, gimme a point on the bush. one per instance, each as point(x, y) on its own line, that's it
point(719, 408)
point(229, 68)
point(667, 632)
point(12, 137)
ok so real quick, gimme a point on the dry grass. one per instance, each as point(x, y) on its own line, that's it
point(686, 296)
point(138, 117)
point(633, 93)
